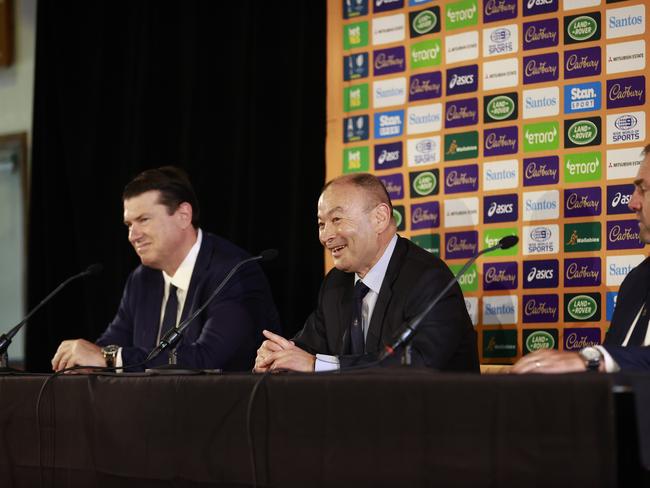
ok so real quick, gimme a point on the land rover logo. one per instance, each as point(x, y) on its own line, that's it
point(582, 28)
point(539, 340)
point(425, 183)
point(398, 218)
point(582, 132)
point(424, 22)
point(500, 108)
point(582, 307)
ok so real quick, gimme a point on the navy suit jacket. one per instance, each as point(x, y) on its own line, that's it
point(446, 339)
point(224, 336)
point(631, 296)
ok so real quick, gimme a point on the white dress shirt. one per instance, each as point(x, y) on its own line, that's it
point(181, 280)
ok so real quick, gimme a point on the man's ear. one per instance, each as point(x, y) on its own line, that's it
point(382, 216)
point(184, 214)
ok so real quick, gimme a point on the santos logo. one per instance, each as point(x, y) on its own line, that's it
point(541, 239)
point(619, 266)
point(626, 21)
point(500, 310)
point(541, 102)
point(541, 205)
point(424, 118)
point(389, 92)
point(500, 175)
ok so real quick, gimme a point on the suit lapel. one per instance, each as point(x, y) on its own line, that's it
point(153, 307)
point(345, 314)
point(373, 337)
point(202, 264)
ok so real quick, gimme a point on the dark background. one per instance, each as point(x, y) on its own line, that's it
point(234, 92)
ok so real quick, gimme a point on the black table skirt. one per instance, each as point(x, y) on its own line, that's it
point(379, 428)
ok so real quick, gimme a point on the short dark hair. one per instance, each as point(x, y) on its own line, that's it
point(367, 182)
point(646, 150)
point(172, 183)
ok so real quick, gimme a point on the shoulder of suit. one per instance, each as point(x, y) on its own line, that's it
point(641, 270)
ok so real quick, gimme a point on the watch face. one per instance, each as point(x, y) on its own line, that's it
point(111, 349)
point(590, 353)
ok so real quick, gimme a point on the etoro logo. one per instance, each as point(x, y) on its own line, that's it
point(542, 136)
point(462, 14)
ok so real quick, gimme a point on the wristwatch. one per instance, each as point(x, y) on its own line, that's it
point(110, 353)
point(592, 358)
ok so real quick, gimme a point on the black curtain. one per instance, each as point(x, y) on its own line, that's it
point(234, 92)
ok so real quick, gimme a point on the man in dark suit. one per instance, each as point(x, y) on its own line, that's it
point(181, 267)
point(625, 347)
point(380, 281)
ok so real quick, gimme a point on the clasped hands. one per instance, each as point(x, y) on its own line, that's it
point(278, 353)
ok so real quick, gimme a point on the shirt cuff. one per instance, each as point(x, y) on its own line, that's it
point(325, 362)
point(118, 361)
point(610, 365)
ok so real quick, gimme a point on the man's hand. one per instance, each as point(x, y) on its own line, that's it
point(77, 352)
point(279, 353)
point(551, 361)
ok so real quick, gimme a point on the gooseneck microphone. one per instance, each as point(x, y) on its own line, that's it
point(5, 339)
point(172, 337)
point(408, 330)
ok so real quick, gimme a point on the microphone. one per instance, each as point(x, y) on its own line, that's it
point(174, 335)
point(5, 339)
point(408, 330)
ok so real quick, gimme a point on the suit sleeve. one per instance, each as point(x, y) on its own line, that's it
point(631, 358)
point(313, 337)
point(120, 330)
point(231, 324)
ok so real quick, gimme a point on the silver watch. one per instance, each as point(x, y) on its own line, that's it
point(592, 358)
point(110, 355)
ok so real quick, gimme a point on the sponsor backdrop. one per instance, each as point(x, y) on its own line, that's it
point(486, 118)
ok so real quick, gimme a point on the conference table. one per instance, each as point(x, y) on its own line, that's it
point(386, 427)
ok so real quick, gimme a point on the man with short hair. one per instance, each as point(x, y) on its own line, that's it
point(181, 267)
point(625, 344)
point(380, 281)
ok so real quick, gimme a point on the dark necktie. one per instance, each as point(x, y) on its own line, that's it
point(641, 327)
point(171, 312)
point(356, 327)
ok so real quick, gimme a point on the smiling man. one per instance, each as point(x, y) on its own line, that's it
point(379, 282)
point(626, 344)
point(181, 267)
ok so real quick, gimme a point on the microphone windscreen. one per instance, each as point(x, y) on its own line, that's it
point(508, 241)
point(94, 269)
point(269, 254)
